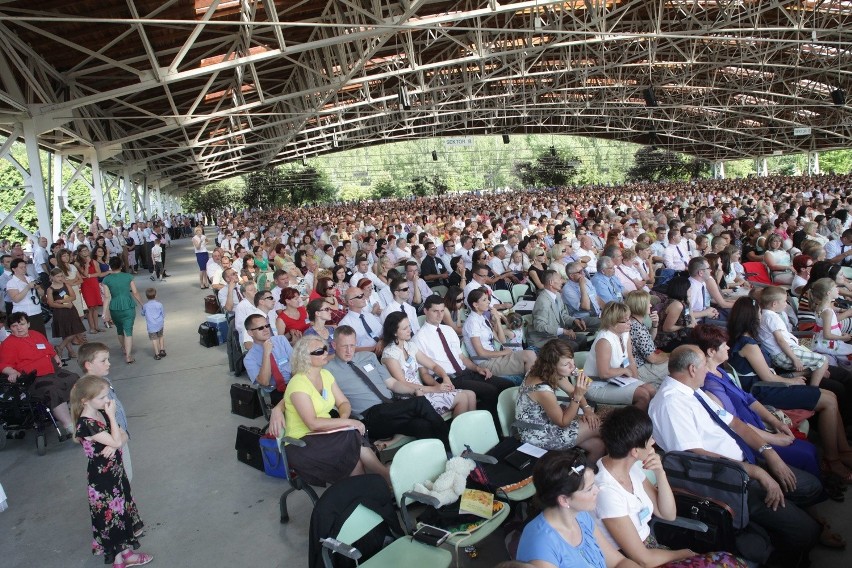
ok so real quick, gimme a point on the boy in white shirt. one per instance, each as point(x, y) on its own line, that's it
point(783, 347)
point(157, 259)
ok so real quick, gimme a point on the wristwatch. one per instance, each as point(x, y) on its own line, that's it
point(763, 448)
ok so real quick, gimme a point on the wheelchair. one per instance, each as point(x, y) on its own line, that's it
point(20, 412)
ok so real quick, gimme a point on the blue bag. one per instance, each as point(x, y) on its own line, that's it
point(274, 463)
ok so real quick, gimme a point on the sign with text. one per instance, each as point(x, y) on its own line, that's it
point(462, 141)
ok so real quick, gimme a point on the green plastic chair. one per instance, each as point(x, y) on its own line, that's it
point(439, 290)
point(403, 550)
point(506, 402)
point(504, 296)
point(580, 359)
point(519, 290)
point(425, 460)
point(476, 430)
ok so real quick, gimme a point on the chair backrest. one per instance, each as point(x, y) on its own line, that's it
point(519, 290)
point(421, 320)
point(506, 402)
point(475, 429)
point(580, 359)
point(757, 272)
point(416, 462)
point(439, 290)
point(504, 296)
point(359, 522)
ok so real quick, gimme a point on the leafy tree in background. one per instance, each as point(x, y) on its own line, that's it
point(550, 169)
point(652, 164)
point(385, 189)
point(306, 184)
point(263, 189)
point(428, 185)
point(209, 199)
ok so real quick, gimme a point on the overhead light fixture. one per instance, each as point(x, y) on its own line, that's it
point(505, 139)
point(304, 161)
point(434, 156)
point(838, 97)
point(402, 97)
point(650, 99)
point(553, 151)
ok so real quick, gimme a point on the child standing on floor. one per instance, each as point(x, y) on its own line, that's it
point(115, 519)
point(157, 258)
point(94, 360)
point(155, 319)
point(829, 337)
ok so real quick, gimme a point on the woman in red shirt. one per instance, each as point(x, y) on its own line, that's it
point(294, 315)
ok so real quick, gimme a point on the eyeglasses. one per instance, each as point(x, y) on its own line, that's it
point(321, 351)
point(267, 298)
point(261, 328)
point(482, 275)
point(406, 289)
point(358, 297)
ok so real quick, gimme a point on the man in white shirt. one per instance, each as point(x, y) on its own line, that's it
point(686, 419)
point(368, 328)
point(676, 255)
point(839, 251)
point(697, 295)
point(477, 280)
point(466, 251)
point(440, 343)
point(400, 288)
point(362, 270)
point(41, 263)
point(418, 290)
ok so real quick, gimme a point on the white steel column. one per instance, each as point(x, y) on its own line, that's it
point(35, 181)
point(58, 194)
point(813, 163)
point(761, 167)
point(98, 189)
point(718, 169)
point(127, 191)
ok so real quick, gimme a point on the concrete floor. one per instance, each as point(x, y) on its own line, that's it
point(201, 507)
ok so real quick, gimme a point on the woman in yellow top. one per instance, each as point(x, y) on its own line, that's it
point(334, 447)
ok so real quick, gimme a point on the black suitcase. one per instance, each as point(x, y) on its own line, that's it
point(208, 335)
point(244, 401)
point(248, 446)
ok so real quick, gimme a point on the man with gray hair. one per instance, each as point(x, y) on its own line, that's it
point(686, 419)
point(580, 296)
point(551, 318)
point(607, 285)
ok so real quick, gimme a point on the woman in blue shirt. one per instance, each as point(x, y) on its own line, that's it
point(564, 534)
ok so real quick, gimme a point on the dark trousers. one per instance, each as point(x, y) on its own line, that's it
point(486, 390)
point(411, 417)
point(840, 383)
point(148, 262)
point(793, 532)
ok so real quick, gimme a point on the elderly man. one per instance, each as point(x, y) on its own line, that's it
point(607, 285)
point(268, 361)
point(686, 419)
point(214, 266)
point(370, 389)
point(368, 328)
point(551, 318)
point(697, 295)
point(579, 295)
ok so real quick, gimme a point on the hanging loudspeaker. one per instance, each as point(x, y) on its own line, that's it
point(434, 156)
point(838, 97)
point(650, 99)
point(505, 139)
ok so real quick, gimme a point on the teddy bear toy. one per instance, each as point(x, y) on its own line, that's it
point(451, 484)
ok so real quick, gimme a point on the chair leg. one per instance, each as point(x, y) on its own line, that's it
point(282, 504)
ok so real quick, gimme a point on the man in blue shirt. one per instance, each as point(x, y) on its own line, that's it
point(606, 284)
point(580, 296)
point(268, 361)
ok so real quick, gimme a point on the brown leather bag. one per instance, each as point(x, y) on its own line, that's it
point(211, 305)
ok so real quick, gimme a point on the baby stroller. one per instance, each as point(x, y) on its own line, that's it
point(19, 412)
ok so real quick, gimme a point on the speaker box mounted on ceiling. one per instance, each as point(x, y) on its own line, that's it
point(505, 139)
point(838, 97)
point(434, 156)
point(402, 97)
point(650, 99)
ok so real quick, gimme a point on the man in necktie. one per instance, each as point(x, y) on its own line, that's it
point(777, 494)
point(367, 327)
point(839, 251)
point(373, 393)
point(400, 288)
point(697, 295)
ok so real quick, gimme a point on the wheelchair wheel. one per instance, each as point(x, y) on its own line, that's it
point(41, 444)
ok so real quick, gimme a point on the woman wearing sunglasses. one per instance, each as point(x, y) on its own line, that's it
point(334, 447)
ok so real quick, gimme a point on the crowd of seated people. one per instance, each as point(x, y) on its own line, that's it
point(407, 294)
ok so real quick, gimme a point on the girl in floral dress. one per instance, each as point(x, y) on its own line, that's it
point(115, 520)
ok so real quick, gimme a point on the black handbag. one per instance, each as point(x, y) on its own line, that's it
point(208, 335)
point(248, 446)
point(720, 534)
point(245, 401)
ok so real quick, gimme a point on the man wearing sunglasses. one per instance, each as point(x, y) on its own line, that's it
point(268, 361)
point(368, 328)
point(400, 288)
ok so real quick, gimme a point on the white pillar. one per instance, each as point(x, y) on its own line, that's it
point(813, 163)
point(58, 194)
point(35, 182)
point(98, 189)
point(718, 169)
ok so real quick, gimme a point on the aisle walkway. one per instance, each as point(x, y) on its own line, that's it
point(201, 506)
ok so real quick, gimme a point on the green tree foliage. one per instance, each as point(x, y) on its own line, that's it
point(653, 164)
point(264, 189)
point(550, 169)
point(428, 185)
point(836, 162)
point(384, 189)
point(209, 199)
point(307, 184)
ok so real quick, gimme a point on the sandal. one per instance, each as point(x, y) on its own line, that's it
point(129, 361)
point(137, 558)
point(157, 357)
point(162, 353)
point(828, 538)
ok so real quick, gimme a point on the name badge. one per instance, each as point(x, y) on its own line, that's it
point(644, 514)
point(41, 346)
point(368, 367)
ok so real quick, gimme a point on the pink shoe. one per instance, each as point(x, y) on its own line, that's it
point(136, 558)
